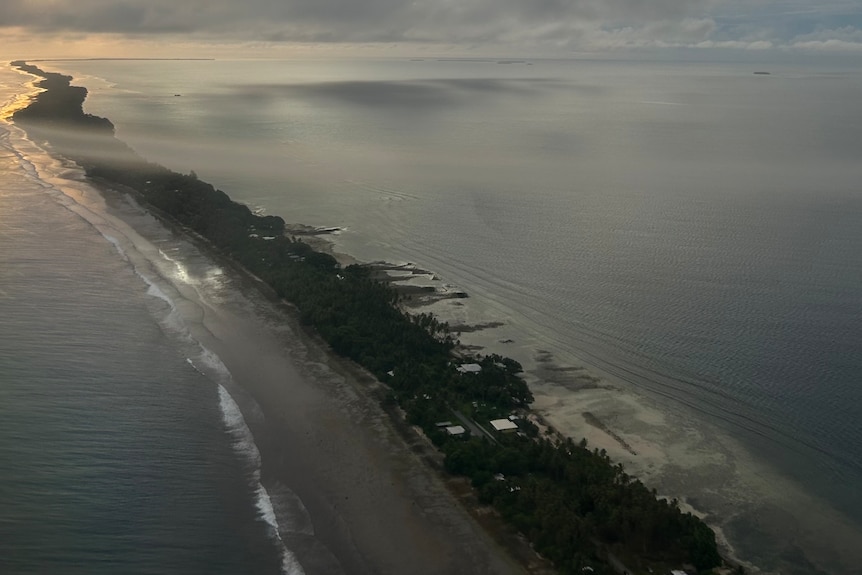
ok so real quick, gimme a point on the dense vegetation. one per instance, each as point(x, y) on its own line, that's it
point(573, 504)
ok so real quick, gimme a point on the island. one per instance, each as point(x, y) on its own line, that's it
point(575, 506)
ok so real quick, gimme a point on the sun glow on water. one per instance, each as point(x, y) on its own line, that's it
point(13, 99)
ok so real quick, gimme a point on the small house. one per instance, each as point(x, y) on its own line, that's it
point(504, 426)
point(469, 368)
point(455, 431)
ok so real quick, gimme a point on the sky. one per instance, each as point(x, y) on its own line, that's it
point(183, 28)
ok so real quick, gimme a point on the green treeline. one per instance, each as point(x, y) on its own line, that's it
point(564, 497)
point(573, 504)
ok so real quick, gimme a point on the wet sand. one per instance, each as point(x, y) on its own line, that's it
point(375, 504)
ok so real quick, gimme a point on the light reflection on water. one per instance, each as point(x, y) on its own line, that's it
point(704, 253)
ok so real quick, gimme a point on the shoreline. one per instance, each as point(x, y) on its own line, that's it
point(424, 297)
point(364, 382)
point(394, 437)
point(764, 519)
point(309, 427)
point(618, 418)
point(374, 501)
point(441, 537)
point(214, 247)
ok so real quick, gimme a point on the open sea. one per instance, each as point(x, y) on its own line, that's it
point(671, 249)
point(121, 450)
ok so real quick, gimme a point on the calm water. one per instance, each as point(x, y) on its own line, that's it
point(691, 232)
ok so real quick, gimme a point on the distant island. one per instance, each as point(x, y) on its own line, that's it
point(576, 507)
point(124, 60)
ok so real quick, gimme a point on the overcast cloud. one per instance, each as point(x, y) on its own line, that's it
point(572, 25)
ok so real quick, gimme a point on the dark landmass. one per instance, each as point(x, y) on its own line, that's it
point(463, 328)
point(575, 506)
point(124, 60)
point(303, 230)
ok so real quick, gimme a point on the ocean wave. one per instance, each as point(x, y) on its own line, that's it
point(294, 517)
point(155, 291)
point(246, 449)
point(116, 243)
point(55, 176)
point(214, 364)
point(15, 147)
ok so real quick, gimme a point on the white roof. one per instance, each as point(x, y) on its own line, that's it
point(455, 430)
point(503, 425)
point(470, 368)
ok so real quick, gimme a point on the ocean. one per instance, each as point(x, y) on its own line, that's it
point(670, 249)
point(117, 453)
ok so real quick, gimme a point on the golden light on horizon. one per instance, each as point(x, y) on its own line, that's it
point(22, 44)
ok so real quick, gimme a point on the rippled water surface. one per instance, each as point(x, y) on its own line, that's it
point(689, 231)
point(114, 456)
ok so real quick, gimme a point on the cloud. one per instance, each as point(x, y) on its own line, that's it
point(355, 18)
point(847, 34)
point(515, 25)
point(845, 39)
point(348, 20)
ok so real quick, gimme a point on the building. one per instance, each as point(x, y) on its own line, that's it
point(469, 368)
point(504, 426)
point(456, 431)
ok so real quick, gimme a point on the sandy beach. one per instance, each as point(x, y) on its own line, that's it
point(374, 503)
point(371, 491)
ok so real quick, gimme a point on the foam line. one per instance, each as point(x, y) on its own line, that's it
point(244, 445)
point(116, 243)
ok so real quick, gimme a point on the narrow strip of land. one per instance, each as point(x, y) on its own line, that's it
point(575, 505)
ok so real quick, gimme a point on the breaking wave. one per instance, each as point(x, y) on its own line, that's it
point(245, 447)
